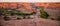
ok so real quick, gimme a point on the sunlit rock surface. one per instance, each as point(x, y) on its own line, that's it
point(36, 21)
point(30, 22)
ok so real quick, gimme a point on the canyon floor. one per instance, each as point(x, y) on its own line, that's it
point(31, 22)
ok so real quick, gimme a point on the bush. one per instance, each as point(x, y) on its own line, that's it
point(44, 14)
point(6, 18)
point(18, 18)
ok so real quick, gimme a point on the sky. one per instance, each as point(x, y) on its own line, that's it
point(29, 0)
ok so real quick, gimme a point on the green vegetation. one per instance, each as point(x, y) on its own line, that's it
point(44, 13)
point(6, 18)
point(18, 18)
point(20, 13)
point(5, 11)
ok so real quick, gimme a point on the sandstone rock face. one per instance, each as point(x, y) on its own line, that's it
point(54, 13)
point(36, 21)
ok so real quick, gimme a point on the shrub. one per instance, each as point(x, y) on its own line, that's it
point(44, 14)
point(6, 18)
point(18, 18)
